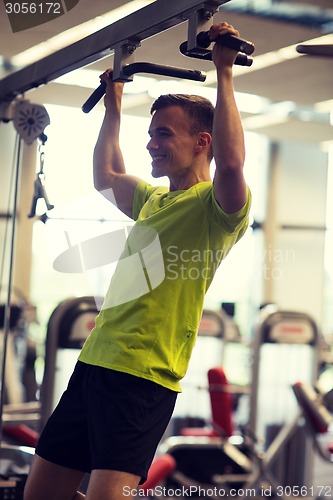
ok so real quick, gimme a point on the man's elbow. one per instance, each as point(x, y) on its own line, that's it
point(98, 183)
point(102, 182)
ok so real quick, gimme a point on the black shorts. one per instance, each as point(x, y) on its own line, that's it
point(107, 420)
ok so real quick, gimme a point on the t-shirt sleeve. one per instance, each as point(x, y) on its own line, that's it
point(229, 223)
point(142, 193)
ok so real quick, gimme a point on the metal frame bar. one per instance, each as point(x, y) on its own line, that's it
point(142, 24)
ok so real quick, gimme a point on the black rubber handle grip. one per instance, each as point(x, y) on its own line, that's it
point(230, 41)
point(94, 98)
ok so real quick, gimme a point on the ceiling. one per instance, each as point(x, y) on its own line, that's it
point(292, 87)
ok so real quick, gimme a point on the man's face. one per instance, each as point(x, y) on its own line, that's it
point(171, 145)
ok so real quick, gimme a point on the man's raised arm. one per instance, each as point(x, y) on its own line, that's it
point(109, 167)
point(228, 135)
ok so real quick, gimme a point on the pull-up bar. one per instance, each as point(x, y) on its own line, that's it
point(201, 51)
point(142, 67)
point(142, 24)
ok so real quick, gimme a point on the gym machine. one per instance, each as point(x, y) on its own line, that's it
point(197, 46)
point(317, 423)
point(69, 325)
point(285, 350)
point(121, 39)
point(223, 463)
point(219, 338)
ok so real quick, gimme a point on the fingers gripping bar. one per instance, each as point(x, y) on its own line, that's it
point(203, 41)
point(230, 41)
point(241, 59)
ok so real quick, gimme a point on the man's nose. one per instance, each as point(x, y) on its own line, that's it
point(152, 144)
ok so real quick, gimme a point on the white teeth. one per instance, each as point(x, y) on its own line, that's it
point(157, 157)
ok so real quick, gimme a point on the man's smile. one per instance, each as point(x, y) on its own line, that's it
point(156, 158)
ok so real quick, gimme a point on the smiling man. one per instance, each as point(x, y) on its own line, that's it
point(123, 390)
point(181, 123)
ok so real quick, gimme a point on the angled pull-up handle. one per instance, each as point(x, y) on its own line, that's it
point(143, 67)
point(159, 69)
point(316, 50)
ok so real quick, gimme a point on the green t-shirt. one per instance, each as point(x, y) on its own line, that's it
point(150, 317)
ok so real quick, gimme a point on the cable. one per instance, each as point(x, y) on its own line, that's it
point(9, 289)
point(8, 215)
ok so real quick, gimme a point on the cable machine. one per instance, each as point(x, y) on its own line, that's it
point(29, 121)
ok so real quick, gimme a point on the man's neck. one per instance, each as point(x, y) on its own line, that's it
point(183, 183)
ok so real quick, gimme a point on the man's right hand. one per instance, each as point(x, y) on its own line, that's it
point(114, 90)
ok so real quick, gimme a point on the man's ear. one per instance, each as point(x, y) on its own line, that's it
point(204, 141)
